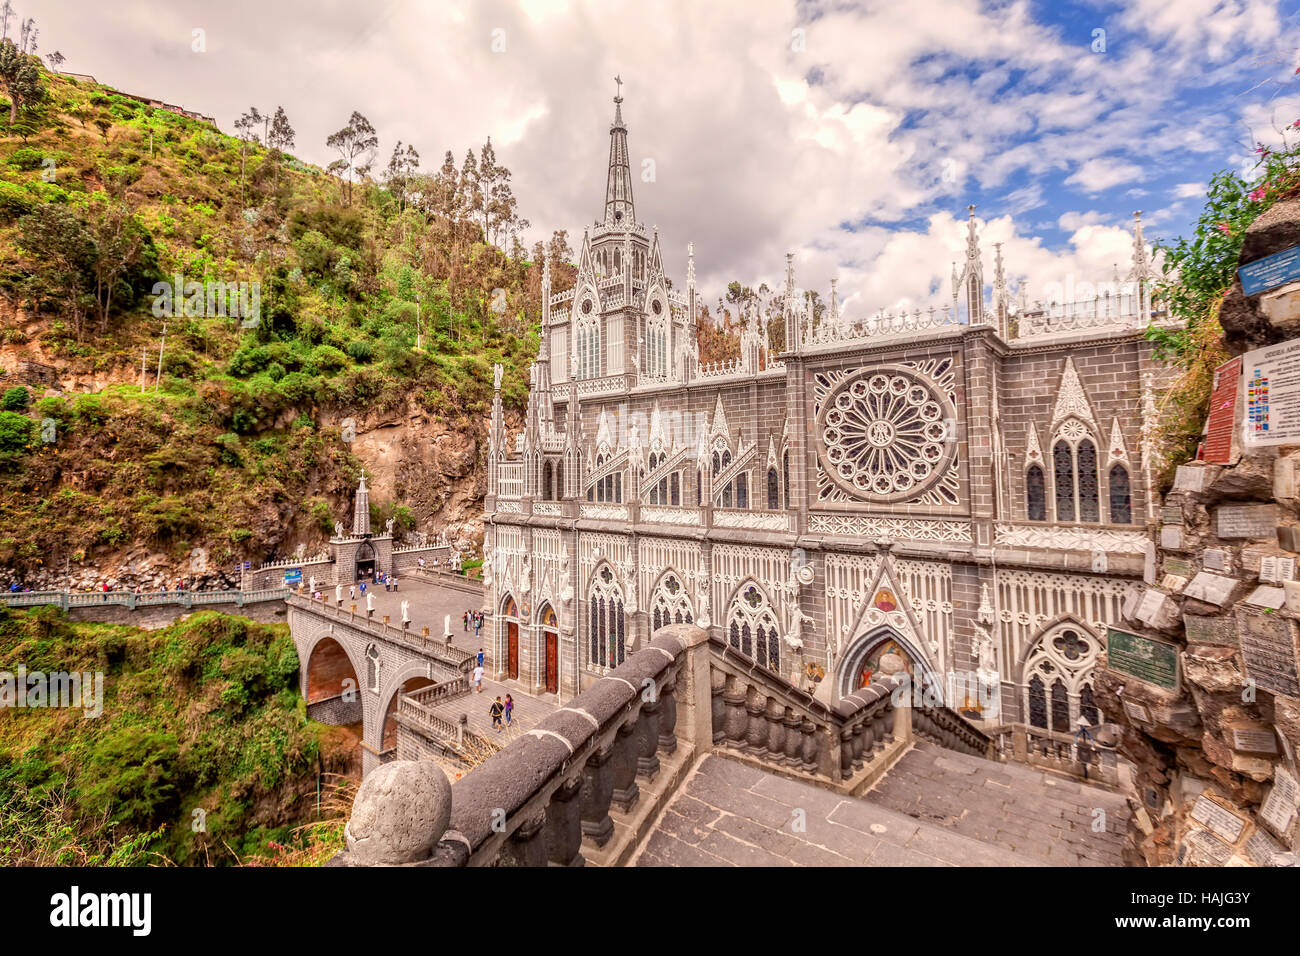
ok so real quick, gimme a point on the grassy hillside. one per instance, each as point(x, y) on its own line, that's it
point(200, 716)
point(233, 452)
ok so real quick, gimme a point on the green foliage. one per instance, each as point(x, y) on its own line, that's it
point(15, 399)
point(15, 435)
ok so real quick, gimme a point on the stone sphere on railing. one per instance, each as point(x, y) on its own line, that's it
point(400, 813)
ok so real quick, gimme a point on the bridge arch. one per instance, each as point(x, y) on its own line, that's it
point(325, 663)
point(860, 661)
point(409, 677)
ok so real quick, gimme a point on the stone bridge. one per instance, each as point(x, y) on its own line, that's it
point(354, 667)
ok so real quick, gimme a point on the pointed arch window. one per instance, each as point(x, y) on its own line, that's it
point(752, 627)
point(1074, 474)
point(1058, 678)
point(1089, 504)
point(1035, 494)
point(773, 490)
point(742, 491)
point(1121, 499)
point(785, 483)
point(670, 604)
point(606, 623)
point(1063, 466)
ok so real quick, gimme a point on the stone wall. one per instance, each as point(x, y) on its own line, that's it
point(1215, 749)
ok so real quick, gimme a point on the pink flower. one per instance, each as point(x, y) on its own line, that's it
point(1257, 195)
point(1225, 229)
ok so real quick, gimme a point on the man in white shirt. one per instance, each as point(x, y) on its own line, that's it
point(478, 679)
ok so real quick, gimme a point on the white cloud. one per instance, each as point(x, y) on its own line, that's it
point(1098, 175)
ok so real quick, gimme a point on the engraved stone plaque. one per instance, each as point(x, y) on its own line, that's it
point(1279, 808)
point(1268, 651)
point(1189, 478)
point(1178, 566)
point(1267, 596)
point(1263, 850)
point(1218, 818)
point(1215, 559)
point(1172, 514)
point(1211, 588)
point(1137, 711)
point(1203, 847)
point(1252, 738)
point(1210, 630)
point(1247, 521)
point(1171, 537)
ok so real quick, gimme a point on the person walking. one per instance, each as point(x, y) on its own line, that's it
point(363, 587)
point(478, 679)
point(394, 580)
point(510, 706)
point(464, 619)
point(480, 657)
point(496, 710)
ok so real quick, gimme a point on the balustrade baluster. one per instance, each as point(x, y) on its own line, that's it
point(647, 737)
point(756, 726)
point(597, 791)
point(809, 731)
point(775, 728)
point(626, 747)
point(564, 825)
point(668, 716)
point(523, 847)
point(792, 738)
point(735, 718)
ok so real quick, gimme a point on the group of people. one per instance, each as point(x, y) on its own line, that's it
point(389, 581)
point(500, 708)
point(474, 618)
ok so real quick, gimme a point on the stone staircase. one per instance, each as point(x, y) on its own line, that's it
point(933, 807)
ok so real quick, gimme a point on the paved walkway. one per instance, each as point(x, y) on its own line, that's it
point(1007, 805)
point(528, 711)
point(429, 607)
point(730, 814)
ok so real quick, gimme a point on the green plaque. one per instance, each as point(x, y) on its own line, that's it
point(1178, 566)
point(1150, 661)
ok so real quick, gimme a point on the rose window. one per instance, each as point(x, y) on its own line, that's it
point(885, 435)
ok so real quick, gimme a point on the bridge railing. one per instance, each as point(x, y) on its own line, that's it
point(452, 658)
point(1059, 751)
point(132, 600)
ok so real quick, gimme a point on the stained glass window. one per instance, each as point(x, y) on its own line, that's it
point(1060, 707)
point(1037, 703)
point(1121, 501)
point(1035, 494)
point(1063, 466)
point(1088, 706)
point(742, 491)
point(773, 490)
point(1089, 508)
point(785, 465)
point(676, 488)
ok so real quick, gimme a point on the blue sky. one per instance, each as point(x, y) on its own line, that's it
point(854, 135)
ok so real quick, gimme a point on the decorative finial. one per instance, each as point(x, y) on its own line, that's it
point(618, 93)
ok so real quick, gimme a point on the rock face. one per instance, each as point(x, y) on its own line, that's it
point(1215, 753)
point(1250, 322)
point(400, 813)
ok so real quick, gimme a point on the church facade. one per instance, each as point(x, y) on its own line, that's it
point(967, 487)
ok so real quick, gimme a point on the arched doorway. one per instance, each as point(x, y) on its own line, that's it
point(861, 663)
point(550, 626)
point(366, 562)
point(510, 617)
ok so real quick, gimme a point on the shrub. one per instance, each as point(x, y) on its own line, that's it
point(15, 399)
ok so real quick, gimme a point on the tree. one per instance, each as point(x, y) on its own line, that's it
point(356, 143)
point(63, 252)
point(488, 174)
point(21, 77)
point(246, 127)
point(469, 199)
point(6, 12)
point(401, 167)
point(118, 238)
point(56, 60)
point(281, 135)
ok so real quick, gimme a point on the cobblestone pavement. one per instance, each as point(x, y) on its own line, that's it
point(528, 711)
point(730, 814)
point(1007, 805)
point(429, 607)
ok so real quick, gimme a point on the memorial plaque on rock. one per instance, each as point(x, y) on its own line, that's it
point(1270, 272)
point(1211, 588)
point(1137, 711)
point(1224, 822)
point(1171, 537)
point(1172, 514)
point(1268, 651)
point(1251, 737)
point(1210, 630)
point(1278, 811)
point(1189, 478)
point(1150, 661)
point(1247, 521)
point(1173, 583)
point(1220, 425)
point(1266, 595)
point(1203, 847)
point(1272, 389)
point(1214, 559)
point(1156, 610)
point(1276, 568)
point(1263, 850)
point(1179, 567)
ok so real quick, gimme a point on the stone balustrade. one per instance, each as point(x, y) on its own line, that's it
point(1065, 753)
point(761, 718)
point(586, 782)
point(129, 599)
point(441, 653)
point(947, 728)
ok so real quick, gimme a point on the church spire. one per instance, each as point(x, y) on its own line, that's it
point(361, 510)
point(618, 185)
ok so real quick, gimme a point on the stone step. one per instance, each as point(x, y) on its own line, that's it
point(1011, 806)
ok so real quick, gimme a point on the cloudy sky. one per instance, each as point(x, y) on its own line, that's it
point(854, 135)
